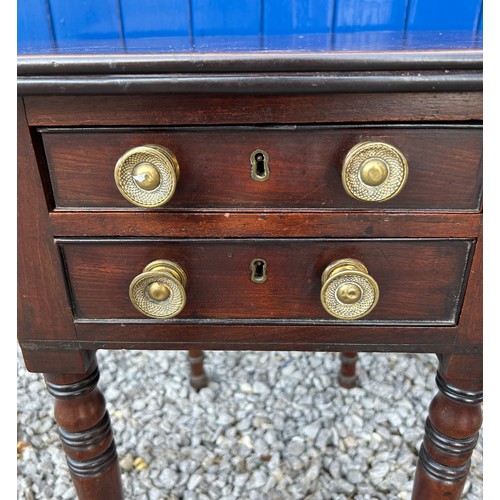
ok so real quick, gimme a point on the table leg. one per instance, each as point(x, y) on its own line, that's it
point(197, 376)
point(451, 430)
point(347, 376)
point(85, 431)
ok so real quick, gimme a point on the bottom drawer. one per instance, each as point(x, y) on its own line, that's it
point(420, 281)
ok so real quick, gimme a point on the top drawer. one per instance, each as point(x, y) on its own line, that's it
point(301, 165)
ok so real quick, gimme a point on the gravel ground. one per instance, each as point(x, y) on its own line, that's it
point(269, 426)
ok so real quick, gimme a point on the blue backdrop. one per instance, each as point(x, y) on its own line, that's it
point(185, 25)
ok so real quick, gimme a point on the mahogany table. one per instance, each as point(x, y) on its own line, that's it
point(251, 201)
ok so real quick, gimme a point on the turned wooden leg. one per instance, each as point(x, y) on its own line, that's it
point(451, 432)
point(197, 376)
point(347, 376)
point(85, 431)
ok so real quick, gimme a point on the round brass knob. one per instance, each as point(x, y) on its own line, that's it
point(374, 171)
point(159, 291)
point(348, 291)
point(147, 175)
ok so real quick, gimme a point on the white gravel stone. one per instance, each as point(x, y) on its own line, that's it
point(354, 476)
point(313, 472)
point(311, 430)
point(296, 446)
point(257, 480)
point(127, 462)
point(271, 425)
point(194, 481)
point(351, 442)
point(379, 472)
point(323, 438)
point(241, 479)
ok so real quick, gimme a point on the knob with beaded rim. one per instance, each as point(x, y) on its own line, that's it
point(147, 175)
point(159, 291)
point(348, 291)
point(374, 171)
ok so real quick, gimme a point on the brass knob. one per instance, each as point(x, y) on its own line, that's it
point(348, 291)
point(159, 291)
point(147, 175)
point(374, 171)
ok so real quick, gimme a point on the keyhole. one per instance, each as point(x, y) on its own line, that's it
point(258, 270)
point(260, 170)
point(259, 161)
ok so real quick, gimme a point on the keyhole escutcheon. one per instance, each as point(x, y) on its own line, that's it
point(259, 161)
point(258, 271)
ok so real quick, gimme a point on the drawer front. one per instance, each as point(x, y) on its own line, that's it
point(420, 281)
point(304, 165)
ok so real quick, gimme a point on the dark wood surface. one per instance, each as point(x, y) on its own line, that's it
point(471, 313)
point(40, 360)
point(85, 431)
point(254, 72)
point(43, 303)
point(347, 375)
point(186, 109)
point(456, 111)
point(258, 73)
point(266, 224)
point(451, 429)
point(80, 244)
point(197, 376)
point(255, 83)
point(238, 62)
point(305, 166)
point(258, 336)
point(424, 289)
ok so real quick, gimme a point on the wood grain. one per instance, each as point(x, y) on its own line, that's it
point(185, 109)
point(266, 224)
point(283, 335)
point(44, 310)
point(451, 430)
point(471, 316)
point(419, 280)
point(84, 429)
point(305, 166)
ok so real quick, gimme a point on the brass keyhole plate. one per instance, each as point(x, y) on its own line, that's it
point(259, 161)
point(258, 272)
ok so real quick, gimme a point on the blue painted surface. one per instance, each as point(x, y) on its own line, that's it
point(445, 15)
point(369, 23)
point(214, 21)
point(151, 22)
point(283, 23)
point(246, 25)
point(34, 24)
point(95, 23)
point(432, 15)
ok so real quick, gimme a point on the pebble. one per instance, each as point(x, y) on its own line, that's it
point(271, 425)
point(378, 472)
point(127, 462)
point(351, 442)
point(354, 476)
point(398, 479)
point(296, 446)
point(194, 481)
point(343, 486)
point(311, 430)
point(257, 480)
point(313, 472)
point(225, 419)
point(241, 479)
point(246, 388)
